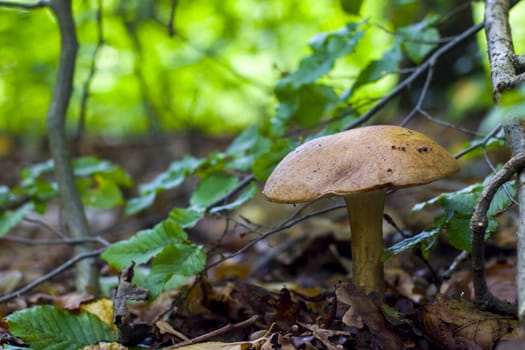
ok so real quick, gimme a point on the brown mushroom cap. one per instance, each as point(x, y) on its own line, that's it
point(357, 161)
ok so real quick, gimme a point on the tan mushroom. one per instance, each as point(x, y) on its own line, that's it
point(360, 165)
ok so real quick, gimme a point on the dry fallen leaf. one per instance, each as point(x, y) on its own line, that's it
point(458, 324)
point(105, 346)
point(103, 308)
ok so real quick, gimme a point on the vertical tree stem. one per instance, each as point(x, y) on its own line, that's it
point(504, 74)
point(87, 279)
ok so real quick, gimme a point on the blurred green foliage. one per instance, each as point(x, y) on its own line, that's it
point(216, 73)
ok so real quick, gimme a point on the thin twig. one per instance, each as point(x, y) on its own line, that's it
point(491, 134)
point(45, 226)
point(56, 271)
point(86, 87)
point(454, 265)
point(273, 231)
point(429, 62)
point(478, 226)
point(69, 241)
point(217, 332)
point(494, 170)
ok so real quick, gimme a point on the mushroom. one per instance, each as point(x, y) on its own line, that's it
point(360, 165)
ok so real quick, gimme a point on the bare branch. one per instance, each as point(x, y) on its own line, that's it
point(430, 62)
point(87, 83)
point(70, 241)
point(478, 226)
point(287, 224)
point(51, 274)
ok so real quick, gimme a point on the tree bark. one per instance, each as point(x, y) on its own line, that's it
point(74, 215)
point(506, 74)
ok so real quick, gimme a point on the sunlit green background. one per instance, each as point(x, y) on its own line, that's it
point(216, 74)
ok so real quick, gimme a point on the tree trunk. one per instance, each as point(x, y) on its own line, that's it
point(74, 215)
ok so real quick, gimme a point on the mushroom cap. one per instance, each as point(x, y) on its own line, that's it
point(357, 161)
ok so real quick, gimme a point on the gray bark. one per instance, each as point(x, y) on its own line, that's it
point(74, 215)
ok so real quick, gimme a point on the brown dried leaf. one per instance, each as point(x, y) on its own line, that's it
point(458, 324)
point(371, 315)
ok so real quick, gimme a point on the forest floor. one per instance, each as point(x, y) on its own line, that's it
point(289, 291)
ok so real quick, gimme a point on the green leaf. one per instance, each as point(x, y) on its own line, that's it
point(173, 266)
point(170, 179)
point(408, 243)
point(90, 166)
point(49, 328)
point(327, 48)
point(246, 148)
point(144, 245)
point(9, 219)
point(211, 189)
point(140, 203)
point(105, 195)
point(186, 218)
point(459, 234)
point(264, 165)
point(378, 69)
point(351, 7)
point(501, 199)
point(41, 189)
point(5, 196)
point(245, 196)
point(244, 141)
point(30, 173)
point(419, 39)
point(305, 105)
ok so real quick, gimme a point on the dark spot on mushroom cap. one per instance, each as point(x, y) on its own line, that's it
point(389, 170)
point(422, 149)
point(393, 147)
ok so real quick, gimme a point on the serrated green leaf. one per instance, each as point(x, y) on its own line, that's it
point(244, 141)
point(9, 219)
point(138, 204)
point(41, 189)
point(90, 166)
point(144, 245)
point(211, 189)
point(49, 328)
point(378, 69)
point(305, 105)
point(186, 218)
point(327, 48)
point(419, 39)
point(340, 42)
point(170, 179)
point(245, 196)
point(459, 234)
point(105, 195)
point(173, 266)
point(264, 165)
point(501, 199)
point(246, 148)
point(30, 173)
point(408, 243)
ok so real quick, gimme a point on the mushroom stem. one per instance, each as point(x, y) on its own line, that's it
point(365, 211)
